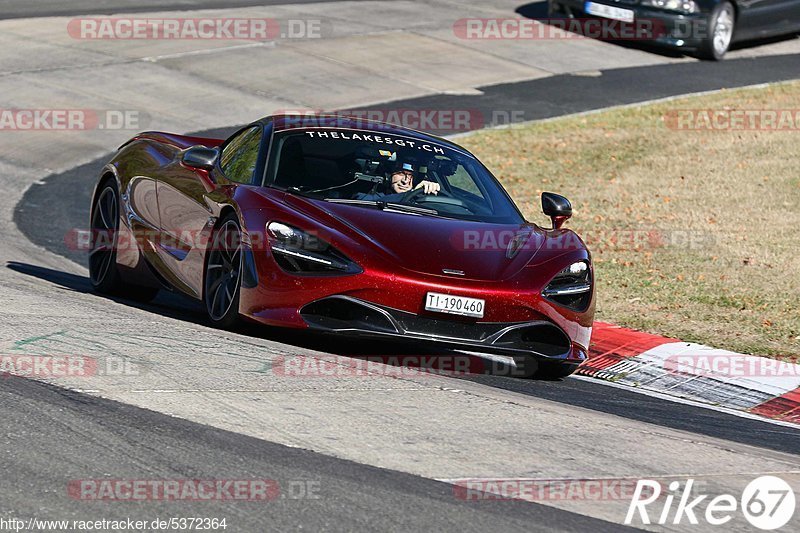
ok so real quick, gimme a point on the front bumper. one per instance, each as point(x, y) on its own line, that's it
point(359, 318)
point(672, 29)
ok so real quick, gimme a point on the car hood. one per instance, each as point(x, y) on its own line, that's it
point(431, 245)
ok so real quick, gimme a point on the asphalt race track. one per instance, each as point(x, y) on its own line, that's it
point(368, 453)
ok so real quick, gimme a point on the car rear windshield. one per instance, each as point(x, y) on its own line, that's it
point(376, 169)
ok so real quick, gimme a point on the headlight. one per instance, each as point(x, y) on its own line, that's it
point(684, 6)
point(572, 287)
point(299, 252)
point(284, 233)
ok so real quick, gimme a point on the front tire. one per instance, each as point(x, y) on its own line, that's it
point(223, 274)
point(721, 25)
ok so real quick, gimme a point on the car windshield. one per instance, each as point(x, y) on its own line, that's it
point(388, 171)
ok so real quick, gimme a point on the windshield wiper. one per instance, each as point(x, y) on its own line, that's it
point(298, 191)
point(389, 206)
point(370, 203)
point(412, 209)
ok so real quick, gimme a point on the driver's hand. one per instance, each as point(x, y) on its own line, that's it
point(429, 187)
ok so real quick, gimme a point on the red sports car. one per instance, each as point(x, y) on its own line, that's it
point(344, 226)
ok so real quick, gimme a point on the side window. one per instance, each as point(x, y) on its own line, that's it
point(458, 176)
point(463, 180)
point(240, 156)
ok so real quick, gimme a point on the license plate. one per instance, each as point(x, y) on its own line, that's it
point(609, 12)
point(454, 305)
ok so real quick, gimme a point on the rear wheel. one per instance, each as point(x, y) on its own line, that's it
point(223, 278)
point(721, 24)
point(103, 255)
point(103, 271)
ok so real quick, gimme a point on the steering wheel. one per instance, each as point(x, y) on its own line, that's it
point(418, 196)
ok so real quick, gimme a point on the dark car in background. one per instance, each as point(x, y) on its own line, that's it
point(704, 27)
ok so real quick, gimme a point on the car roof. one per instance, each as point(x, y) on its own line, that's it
point(300, 121)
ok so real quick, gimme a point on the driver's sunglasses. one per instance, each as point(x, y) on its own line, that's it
point(403, 174)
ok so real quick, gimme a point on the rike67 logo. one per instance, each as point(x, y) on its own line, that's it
point(768, 503)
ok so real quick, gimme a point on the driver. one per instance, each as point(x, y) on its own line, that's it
point(401, 181)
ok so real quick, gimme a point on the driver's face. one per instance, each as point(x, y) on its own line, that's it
point(402, 181)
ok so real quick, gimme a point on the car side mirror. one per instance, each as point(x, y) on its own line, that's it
point(200, 157)
point(557, 208)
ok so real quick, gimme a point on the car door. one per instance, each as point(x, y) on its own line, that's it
point(763, 18)
point(139, 195)
point(186, 206)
